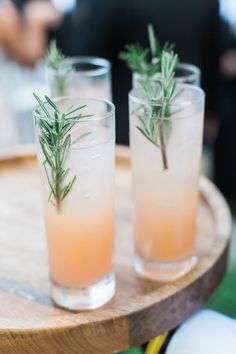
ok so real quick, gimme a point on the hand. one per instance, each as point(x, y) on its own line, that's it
point(228, 64)
point(42, 13)
point(211, 128)
point(24, 37)
point(9, 19)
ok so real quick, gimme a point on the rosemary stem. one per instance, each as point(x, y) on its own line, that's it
point(60, 84)
point(158, 121)
point(163, 146)
point(57, 187)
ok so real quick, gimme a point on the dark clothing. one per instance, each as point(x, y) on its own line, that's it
point(103, 27)
point(225, 146)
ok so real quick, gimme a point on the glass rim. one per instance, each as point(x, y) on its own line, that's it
point(103, 66)
point(193, 72)
point(200, 97)
point(94, 117)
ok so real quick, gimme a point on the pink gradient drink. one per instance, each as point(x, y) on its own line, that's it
point(165, 199)
point(80, 233)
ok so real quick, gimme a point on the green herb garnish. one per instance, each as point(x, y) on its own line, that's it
point(156, 126)
point(55, 140)
point(146, 62)
point(156, 67)
point(60, 65)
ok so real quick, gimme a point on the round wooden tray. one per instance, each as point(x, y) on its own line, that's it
point(140, 310)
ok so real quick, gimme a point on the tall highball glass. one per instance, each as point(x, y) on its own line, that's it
point(78, 198)
point(165, 182)
point(83, 76)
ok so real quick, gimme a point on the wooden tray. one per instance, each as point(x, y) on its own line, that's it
point(140, 310)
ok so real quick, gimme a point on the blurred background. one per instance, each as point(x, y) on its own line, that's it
point(204, 33)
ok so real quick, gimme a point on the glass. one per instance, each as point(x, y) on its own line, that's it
point(89, 77)
point(165, 184)
point(188, 74)
point(185, 74)
point(80, 230)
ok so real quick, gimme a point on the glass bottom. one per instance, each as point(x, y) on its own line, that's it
point(164, 272)
point(84, 298)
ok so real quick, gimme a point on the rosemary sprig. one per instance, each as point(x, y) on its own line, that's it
point(55, 140)
point(59, 63)
point(146, 62)
point(136, 58)
point(156, 67)
point(154, 123)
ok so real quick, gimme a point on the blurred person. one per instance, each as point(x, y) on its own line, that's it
point(23, 39)
point(104, 27)
point(23, 35)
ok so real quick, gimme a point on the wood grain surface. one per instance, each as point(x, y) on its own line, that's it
point(140, 310)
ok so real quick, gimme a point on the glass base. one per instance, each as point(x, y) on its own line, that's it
point(84, 298)
point(164, 272)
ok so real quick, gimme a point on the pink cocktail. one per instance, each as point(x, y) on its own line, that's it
point(165, 185)
point(80, 226)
